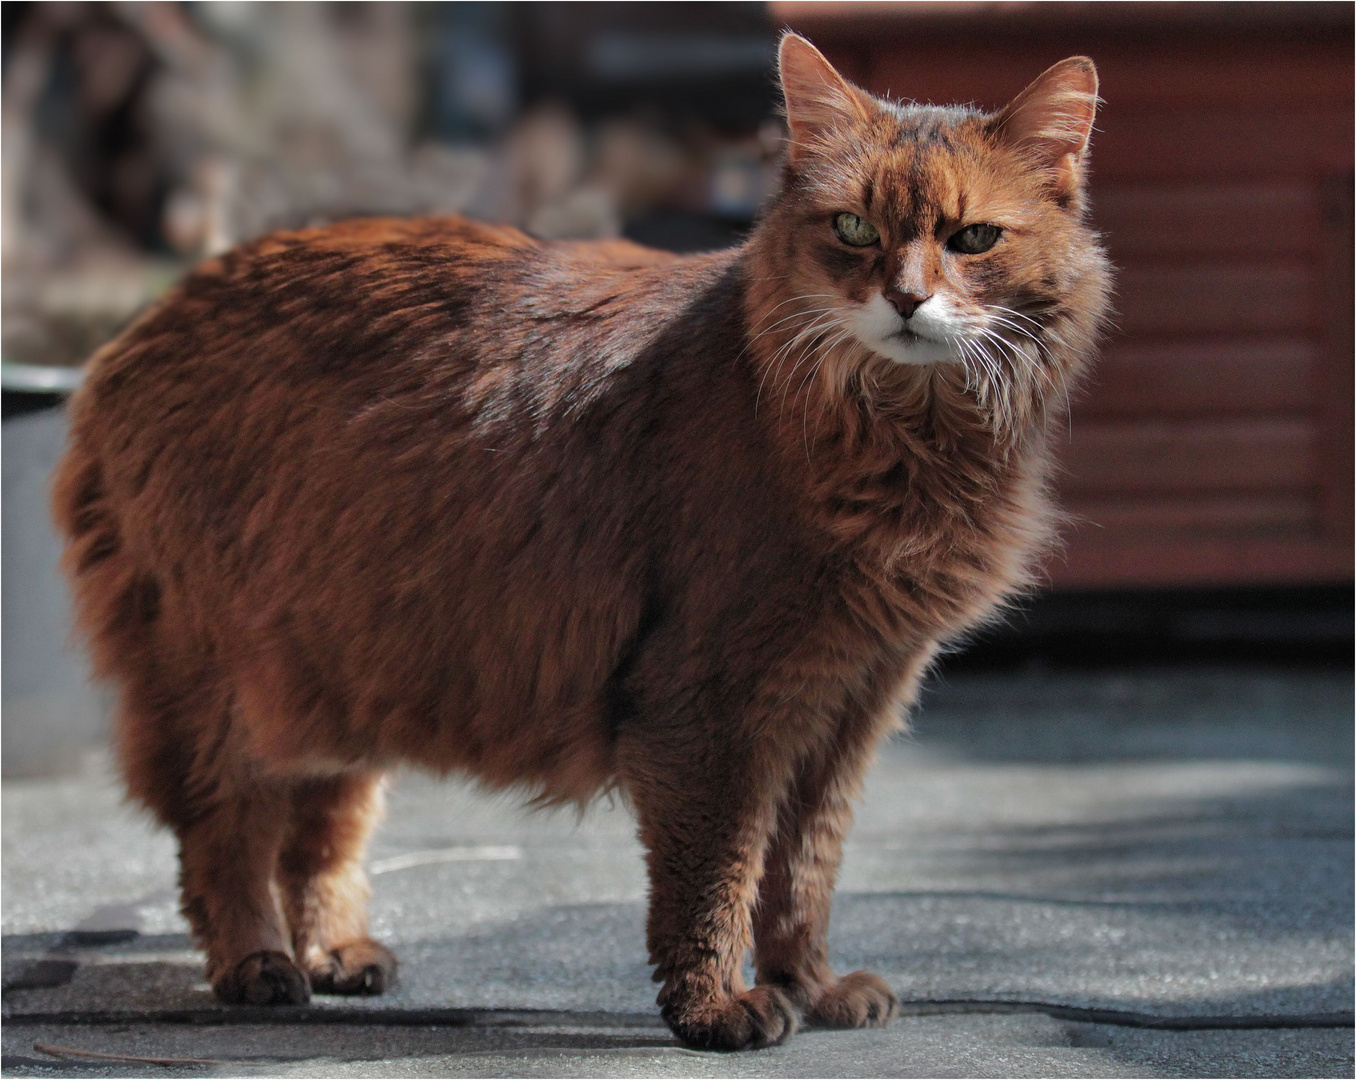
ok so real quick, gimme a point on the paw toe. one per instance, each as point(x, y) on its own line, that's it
point(264, 978)
point(759, 1018)
point(855, 1001)
point(360, 967)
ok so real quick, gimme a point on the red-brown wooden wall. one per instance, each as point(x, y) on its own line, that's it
point(1215, 446)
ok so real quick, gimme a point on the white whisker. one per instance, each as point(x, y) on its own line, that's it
point(778, 356)
point(823, 328)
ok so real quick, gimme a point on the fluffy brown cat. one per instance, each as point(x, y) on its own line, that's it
point(580, 517)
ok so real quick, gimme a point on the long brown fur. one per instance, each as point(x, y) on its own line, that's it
point(573, 518)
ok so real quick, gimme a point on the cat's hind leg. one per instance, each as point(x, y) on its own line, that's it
point(180, 754)
point(177, 740)
point(323, 885)
point(227, 854)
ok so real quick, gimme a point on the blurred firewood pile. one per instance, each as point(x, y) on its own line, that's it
point(139, 138)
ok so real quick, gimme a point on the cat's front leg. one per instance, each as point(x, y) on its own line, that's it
point(705, 808)
point(791, 918)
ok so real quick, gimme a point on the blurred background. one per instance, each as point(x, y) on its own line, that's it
point(1208, 468)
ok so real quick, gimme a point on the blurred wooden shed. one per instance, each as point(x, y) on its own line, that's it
point(1215, 445)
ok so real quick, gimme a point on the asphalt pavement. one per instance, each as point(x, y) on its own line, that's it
point(1144, 873)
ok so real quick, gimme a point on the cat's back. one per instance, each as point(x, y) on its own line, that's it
point(369, 338)
point(362, 294)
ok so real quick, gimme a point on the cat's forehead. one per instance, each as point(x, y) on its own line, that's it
point(920, 162)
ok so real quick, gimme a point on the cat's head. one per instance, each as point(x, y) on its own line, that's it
point(926, 235)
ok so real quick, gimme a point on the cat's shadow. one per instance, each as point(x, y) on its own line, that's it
point(158, 978)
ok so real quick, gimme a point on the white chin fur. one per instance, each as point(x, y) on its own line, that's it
point(877, 325)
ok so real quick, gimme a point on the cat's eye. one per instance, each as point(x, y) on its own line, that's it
point(974, 239)
point(854, 230)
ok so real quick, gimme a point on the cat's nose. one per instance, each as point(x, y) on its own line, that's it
point(906, 303)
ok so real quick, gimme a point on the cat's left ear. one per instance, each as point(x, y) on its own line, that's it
point(819, 101)
point(1051, 121)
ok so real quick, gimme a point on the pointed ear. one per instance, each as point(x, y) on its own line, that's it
point(818, 99)
point(1051, 120)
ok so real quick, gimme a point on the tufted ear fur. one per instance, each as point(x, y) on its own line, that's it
point(818, 99)
point(1051, 121)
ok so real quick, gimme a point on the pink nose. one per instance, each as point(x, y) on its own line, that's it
point(906, 303)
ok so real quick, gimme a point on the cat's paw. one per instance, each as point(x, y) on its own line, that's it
point(855, 1001)
point(754, 1019)
point(360, 967)
point(264, 978)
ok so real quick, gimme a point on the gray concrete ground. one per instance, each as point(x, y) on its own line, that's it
point(1145, 874)
point(48, 706)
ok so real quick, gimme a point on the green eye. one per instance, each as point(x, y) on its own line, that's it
point(974, 239)
point(855, 231)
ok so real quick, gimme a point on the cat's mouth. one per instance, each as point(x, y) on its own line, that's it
point(910, 337)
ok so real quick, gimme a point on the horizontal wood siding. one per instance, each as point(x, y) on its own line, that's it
point(1211, 376)
point(1179, 298)
point(1206, 219)
point(1223, 143)
point(1139, 456)
point(1277, 515)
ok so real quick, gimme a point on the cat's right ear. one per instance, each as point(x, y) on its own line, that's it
point(819, 101)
